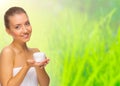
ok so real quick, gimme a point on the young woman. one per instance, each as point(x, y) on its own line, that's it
point(17, 66)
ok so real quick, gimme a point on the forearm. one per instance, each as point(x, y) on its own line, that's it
point(18, 78)
point(43, 77)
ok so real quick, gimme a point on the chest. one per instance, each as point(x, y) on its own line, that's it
point(21, 58)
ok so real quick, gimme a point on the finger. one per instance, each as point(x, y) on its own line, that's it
point(30, 61)
point(43, 63)
point(41, 67)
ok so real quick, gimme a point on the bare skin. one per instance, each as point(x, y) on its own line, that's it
point(17, 54)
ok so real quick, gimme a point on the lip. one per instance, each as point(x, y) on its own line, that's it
point(25, 36)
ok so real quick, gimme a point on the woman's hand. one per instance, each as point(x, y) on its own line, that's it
point(32, 62)
point(42, 64)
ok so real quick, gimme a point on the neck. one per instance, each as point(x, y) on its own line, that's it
point(19, 46)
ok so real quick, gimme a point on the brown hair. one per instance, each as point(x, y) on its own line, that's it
point(11, 12)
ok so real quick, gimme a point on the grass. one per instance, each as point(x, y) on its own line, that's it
point(84, 52)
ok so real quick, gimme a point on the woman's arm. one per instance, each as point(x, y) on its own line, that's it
point(6, 69)
point(43, 77)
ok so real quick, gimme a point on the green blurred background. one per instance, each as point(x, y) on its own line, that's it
point(81, 38)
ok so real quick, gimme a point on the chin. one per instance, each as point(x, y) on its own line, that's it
point(26, 40)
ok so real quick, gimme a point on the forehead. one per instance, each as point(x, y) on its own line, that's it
point(18, 18)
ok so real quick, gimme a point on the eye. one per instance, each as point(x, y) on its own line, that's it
point(17, 27)
point(27, 23)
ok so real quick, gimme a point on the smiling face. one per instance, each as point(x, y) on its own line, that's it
point(19, 27)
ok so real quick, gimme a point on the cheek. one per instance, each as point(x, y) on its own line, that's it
point(30, 30)
point(15, 34)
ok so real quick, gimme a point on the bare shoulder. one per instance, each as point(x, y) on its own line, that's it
point(6, 52)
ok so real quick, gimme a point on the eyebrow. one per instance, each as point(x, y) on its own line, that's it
point(24, 23)
point(17, 24)
point(27, 21)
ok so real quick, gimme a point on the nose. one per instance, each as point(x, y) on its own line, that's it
point(24, 29)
